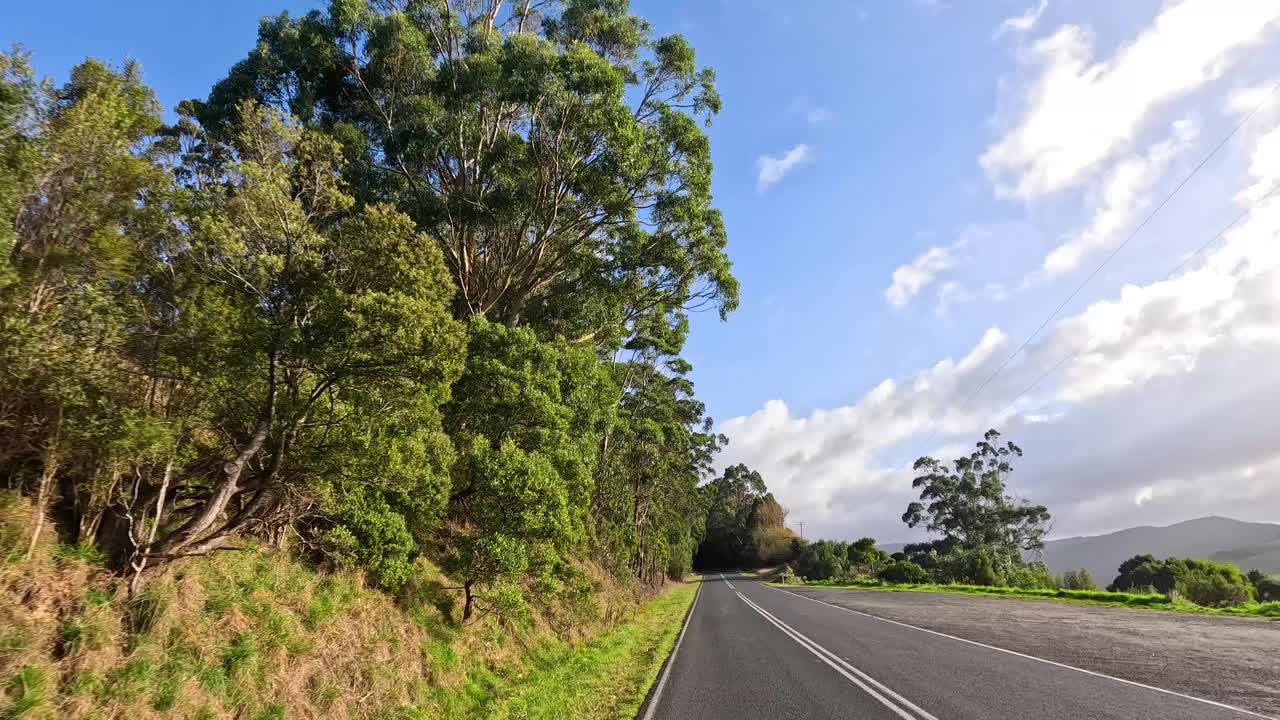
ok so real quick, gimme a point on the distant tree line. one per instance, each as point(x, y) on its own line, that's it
point(413, 280)
point(985, 537)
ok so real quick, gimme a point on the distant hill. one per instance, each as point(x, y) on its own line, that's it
point(1246, 544)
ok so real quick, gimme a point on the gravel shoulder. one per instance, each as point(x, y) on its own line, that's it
point(1226, 659)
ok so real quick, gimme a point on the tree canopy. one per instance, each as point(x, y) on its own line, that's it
point(412, 281)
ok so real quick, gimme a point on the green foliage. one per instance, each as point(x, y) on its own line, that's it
point(983, 532)
point(1032, 575)
point(1076, 580)
point(1204, 582)
point(377, 297)
point(579, 195)
point(903, 571)
point(968, 507)
point(789, 576)
point(1265, 588)
point(745, 524)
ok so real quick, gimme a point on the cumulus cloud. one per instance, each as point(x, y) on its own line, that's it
point(1162, 403)
point(1125, 191)
point(1022, 23)
point(1077, 111)
point(771, 169)
point(910, 279)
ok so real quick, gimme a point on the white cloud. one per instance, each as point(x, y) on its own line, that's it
point(1164, 404)
point(910, 279)
point(771, 169)
point(1124, 192)
point(812, 113)
point(950, 294)
point(1077, 111)
point(1022, 23)
point(1144, 495)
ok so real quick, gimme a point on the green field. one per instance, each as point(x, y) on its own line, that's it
point(1089, 597)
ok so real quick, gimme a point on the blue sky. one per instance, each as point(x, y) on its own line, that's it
point(910, 188)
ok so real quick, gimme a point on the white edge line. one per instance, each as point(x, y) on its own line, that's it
point(900, 712)
point(1134, 683)
point(671, 659)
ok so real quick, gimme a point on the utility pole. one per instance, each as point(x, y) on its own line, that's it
point(801, 530)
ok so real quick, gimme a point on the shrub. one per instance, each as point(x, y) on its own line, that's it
point(1212, 590)
point(1214, 582)
point(1267, 590)
point(1031, 576)
point(788, 576)
point(1076, 580)
point(904, 572)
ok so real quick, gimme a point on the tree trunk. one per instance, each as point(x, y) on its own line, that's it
point(222, 495)
point(47, 472)
point(141, 563)
point(469, 605)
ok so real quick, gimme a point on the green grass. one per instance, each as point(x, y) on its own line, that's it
point(1086, 597)
point(605, 678)
point(27, 690)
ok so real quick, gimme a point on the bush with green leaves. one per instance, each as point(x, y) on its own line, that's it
point(1076, 580)
point(903, 572)
point(1203, 582)
point(1213, 590)
point(1265, 588)
point(1029, 576)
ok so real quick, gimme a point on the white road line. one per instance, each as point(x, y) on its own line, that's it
point(666, 672)
point(726, 582)
point(839, 665)
point(1094, 673)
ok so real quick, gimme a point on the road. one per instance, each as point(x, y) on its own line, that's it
point(750, 651)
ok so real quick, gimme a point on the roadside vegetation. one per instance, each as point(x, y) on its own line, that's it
point(253, 633)
point(986, 543)
point(373, 350)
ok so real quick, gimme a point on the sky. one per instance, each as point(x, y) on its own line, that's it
point(915, 190)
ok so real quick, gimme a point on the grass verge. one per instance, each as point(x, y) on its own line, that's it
point(607, 678)
point(1082, 597)
point(258, 635)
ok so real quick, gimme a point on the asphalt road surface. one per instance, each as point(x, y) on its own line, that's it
point(750, 651)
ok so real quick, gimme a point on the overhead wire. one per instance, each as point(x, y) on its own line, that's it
point(1204, 161)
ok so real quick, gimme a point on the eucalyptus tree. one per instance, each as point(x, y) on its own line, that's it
point(969, 508)
point(552, 149)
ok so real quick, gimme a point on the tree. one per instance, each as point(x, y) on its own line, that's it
point(523, 479)
point(969, 508)
point(1265, 589)
point(648, 514)
point(552, 149)
point(903, 571)
point(1077, 580)
point(77, 185)
point(732, 517)
point(301, 347)
point(1203, 582)
point(863, 553)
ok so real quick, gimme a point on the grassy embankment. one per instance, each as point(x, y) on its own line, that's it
point(255, 635)
point(1087, 597)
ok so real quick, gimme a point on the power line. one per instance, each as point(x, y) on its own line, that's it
point(969, 398)
point(1071, 355)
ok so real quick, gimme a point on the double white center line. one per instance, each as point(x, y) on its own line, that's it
point(726, 582)
point(901, 706)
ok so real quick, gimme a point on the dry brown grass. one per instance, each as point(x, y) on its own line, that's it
point(248, 634)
